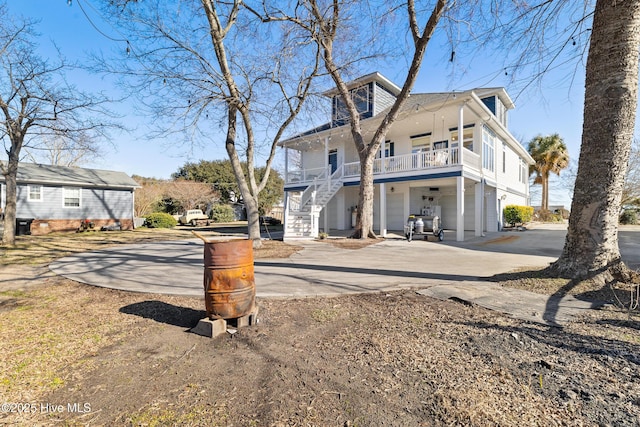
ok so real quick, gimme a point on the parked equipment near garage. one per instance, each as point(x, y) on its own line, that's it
point(423, 225)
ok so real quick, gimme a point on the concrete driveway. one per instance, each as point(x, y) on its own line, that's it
point(443, 269)
point(175, 267)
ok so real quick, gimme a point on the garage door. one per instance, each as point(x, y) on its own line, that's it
point(395, 211)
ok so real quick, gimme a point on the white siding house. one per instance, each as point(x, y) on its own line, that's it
point(59, 198)
point(422, 166)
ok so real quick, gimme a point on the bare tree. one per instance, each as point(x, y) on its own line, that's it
point(324, 22)
point(62, 151)
point(149, 196)
point(206, 67)
point(191, 194)
point(36, 101)
point(611, 99)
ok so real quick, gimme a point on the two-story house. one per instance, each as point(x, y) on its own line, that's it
point(423, 167)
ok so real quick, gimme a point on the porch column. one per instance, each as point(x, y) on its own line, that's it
point(460, 131)
point(479, 204)
point(325, 227)
point(286, 212)
point(286, 164)
point(326, 156)
point(460, 209)
point(383, 210)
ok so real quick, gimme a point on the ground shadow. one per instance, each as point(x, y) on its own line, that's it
point(371, 271)
point(162, 312)
point(597, 297)
point(574, 342)
point(629, 324)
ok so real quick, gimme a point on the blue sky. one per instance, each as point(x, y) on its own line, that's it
point(555, 106)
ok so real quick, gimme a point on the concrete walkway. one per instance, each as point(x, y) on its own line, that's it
point(441, 269)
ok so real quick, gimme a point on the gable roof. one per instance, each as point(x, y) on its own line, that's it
point(412, 104)
point(33, 173)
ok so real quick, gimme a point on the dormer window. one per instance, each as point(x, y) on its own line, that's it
point(497, 107)
point(363, 100)
point(371, 94)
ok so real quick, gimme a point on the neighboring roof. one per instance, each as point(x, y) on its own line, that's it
point(33, 173)
point(361, 81)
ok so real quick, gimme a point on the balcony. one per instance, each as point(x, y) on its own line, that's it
point(409, 164)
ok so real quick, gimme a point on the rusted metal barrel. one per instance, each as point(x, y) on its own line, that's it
point(229, 283)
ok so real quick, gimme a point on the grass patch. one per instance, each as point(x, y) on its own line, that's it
point(275, 249)
point(37, 250)
point(38, 347)
point(347, 243)
point(34, 250)
point(324, 315)
point(533, 280)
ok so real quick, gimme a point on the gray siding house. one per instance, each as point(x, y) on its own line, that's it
point(59, 198)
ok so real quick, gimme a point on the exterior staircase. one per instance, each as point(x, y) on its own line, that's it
point(303, 210)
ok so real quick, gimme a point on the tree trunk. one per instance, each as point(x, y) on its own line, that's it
point(611, 92)
point(364, 218)
point(253, 220)
point(10, 177)
point(250, 200)
point(544, 205)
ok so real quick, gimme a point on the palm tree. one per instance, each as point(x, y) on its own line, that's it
point(610, 103)
point(551, 156)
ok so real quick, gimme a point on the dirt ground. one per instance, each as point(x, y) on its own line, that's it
point(79, 355)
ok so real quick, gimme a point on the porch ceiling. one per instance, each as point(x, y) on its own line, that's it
point(442, 183)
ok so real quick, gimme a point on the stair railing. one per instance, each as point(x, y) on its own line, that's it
point(309, 193)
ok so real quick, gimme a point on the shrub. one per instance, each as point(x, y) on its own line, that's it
point(629, 216)
point(160, 220)
point(222, 213)
point(514, 214)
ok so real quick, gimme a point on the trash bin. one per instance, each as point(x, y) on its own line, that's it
point(23, 226)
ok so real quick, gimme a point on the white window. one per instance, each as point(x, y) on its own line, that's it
point(523, 175)
point(35, 193)
point(420, 144)
point(441, 145)
point(71, 197)
point(504, 158)
point(488, 148)
point(389, 150)
point(467, 139)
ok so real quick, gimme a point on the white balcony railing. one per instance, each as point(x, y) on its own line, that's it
point(407, 162)
point(426, 160)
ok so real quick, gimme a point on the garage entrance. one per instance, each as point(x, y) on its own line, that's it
point(395, 211)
